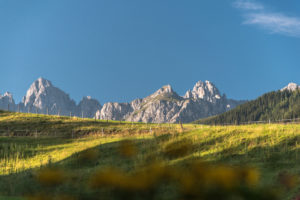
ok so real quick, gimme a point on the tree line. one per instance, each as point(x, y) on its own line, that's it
point(273, 106)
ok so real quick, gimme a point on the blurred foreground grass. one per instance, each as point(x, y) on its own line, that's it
point(72, 158)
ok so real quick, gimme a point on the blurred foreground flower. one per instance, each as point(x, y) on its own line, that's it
point(49, 197)
point(39, 197)
point(51, 177)
point(250, 175)
point(289, 181)
point(110, 177)
point(140, 180)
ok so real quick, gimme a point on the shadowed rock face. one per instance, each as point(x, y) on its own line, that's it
point(87, 107)
point(165, 105)
point(7, 102)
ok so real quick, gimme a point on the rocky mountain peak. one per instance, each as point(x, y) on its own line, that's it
point(40, 84)
point(43, 82)
point(43, 97)
point(8, 94)
point(7, 101)
point(204, 90)
point(165, 90)
point(36, 88)
point(291, 87)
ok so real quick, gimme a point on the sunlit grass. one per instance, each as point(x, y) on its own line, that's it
point(71, 142)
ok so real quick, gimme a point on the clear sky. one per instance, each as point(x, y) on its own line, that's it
point(116, 50)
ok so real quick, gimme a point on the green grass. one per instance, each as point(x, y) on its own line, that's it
point(63, 142)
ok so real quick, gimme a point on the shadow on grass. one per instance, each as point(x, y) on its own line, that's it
point(107, 155)
point(81, 165)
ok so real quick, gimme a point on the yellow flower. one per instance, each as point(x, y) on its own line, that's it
point(287, 180)
point(188, 183)
point(51, 176)
point(250, 176)
point(224, 176)
point(109, 177)
point(64, 197)
point(39, 197)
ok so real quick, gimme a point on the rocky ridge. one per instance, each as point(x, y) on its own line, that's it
point(166, 106)
point(44, 98)
point(163, 106)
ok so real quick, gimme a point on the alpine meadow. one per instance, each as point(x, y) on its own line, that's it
point(149, 100)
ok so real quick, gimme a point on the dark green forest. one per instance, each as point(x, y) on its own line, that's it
point(273, 106)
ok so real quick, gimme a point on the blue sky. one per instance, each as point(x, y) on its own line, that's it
point(116, 50)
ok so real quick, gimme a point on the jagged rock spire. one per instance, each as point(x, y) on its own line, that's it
point(204, 90)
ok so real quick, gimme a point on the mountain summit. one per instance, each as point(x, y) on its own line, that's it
point(165, 105)
point(291, 87)
point(43, 97)
point(204, 90)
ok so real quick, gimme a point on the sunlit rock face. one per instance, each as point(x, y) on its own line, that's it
point(163, 106)
point(43, 97)
point(204, 90)
point(291, 87)
point(114, 111)
point(7, 102)
point(166, 106)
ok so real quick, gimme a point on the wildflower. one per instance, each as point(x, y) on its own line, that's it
point(39, 197)
point(140, 181)
point(64, 197)
point(188, 183)
point(109, 177)
point(287, 180)
point(51, 177)
point(224, 176)
point(250, 176)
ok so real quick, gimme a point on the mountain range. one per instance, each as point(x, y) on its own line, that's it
point(163, 106)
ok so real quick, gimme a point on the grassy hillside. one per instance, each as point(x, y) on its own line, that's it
point(70, 158)
point(272, 106)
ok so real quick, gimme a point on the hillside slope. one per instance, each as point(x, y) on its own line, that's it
point(273, 106)
point(60, 166)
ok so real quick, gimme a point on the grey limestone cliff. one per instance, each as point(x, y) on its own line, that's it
point(88, 106)
point(166, 106)
point(43, 97)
